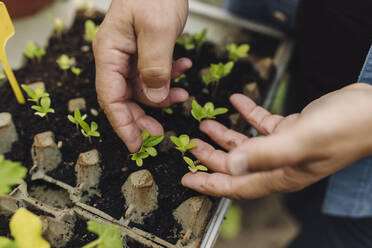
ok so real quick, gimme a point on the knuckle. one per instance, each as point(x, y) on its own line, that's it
point(291, 181)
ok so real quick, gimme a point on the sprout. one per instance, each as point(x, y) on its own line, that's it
point(35, 95)
point(26, 228)
point(77, 118)
point(108, 236)
point(64, 62)
point(32, 51)
point(183, 143)
point(206, 112)
point(194, 166)
point(216, 72)
point(11, 173)
point(168, 111)
point(76, 71)
point(90, 30)
point(44, 108)
point(237, 52)
point(89, 131)
point(177, 80)
point(147, 148)
point(41, 98)
point(195, 41)
point(58, 25)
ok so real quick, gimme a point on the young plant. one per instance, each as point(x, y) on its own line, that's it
point(44, 108)
point(181, 77)
point(108, 236)
point(183, 143)
point(206, 112)
point(194, 166)
point(26, 229)
point(90, 30)
point(32, 51)
point(35, 95)
point(168, 111)
point(216, 72)
point(147, 148)
point(76, 71)
point(76, 119)
point(89, 131)
point(11, 173)
point(237, 52)
point(42, 100)
point(64, 62)
point(59, 25)
point(195, 41)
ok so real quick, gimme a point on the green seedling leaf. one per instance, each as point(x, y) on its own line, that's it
point(76, 71)
point(193, 167)
point(11, 173)
point(90, 30)
point(77, 118)
point(7, 243)
point(237, 52)
point(108, 236)
point(26, 228)
point(34, 95)
point(200, 38)
point(195, 41)
point(217, 72)
point(44, 109)
point(206, 112)
point(59, 25)
point(177, 80)
point(169, 111)
point(183, 143)
point(64, 62)
point(32, 51)
point(147, 148)
point(89, 131)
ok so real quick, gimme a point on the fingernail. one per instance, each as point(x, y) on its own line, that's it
point(157, 95)
point(238, 163)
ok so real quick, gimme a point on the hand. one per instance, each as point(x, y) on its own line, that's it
point(133, 52)
point(295, 151)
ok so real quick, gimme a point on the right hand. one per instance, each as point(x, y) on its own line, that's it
point(133, 51)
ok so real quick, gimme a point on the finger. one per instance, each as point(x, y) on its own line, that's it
point(258, 117)
point(156, 39)
point(180, 66)
point(214, 159)
point(240, 187)
point(226, 138)
point(176, 95)
point(265, 153)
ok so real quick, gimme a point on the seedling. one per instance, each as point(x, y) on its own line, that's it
point(64, 62)
point(168, 111)
point(58, 25)
point(26, 228)
point(90, 30)
point(44, 108)
point(76, 71)
point(147, 148)
point(183, 143)
point(237, 52)
point(77, 118)
point(194, 166)
point(177, 80)
point(42, 100)
point(33, 51)
point(11, 173)
point(206, 112)
point(89, 131)
point(35, 95)
point(108, 236)
point(216, 72)
point(195, 41)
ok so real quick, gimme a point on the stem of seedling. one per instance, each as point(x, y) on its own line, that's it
point(90, 139)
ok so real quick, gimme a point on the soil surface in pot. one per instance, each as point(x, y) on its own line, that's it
point(167, 168)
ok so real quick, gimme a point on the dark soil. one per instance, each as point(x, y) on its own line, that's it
point(167, 168)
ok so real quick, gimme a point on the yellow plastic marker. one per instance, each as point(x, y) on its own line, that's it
point(7, 31)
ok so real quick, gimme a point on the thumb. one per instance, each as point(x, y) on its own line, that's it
point(264, 153)
point(155, 56)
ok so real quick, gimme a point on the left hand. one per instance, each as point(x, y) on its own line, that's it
point(295, 151)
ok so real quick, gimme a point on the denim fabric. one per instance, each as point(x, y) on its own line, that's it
point(349, 192)
point(263, 11)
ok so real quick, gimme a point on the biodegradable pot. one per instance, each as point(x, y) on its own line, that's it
point(22, 8)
